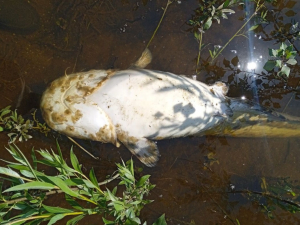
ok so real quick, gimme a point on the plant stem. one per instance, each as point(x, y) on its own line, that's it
point(29, 218)
point(60, 191)
point(236, 34)
point(165, 10)
point(44, 216)
point(199, 52)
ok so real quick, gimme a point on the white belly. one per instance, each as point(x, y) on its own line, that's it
point(132, 107)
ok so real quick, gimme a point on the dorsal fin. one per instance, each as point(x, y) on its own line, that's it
point(143, 61)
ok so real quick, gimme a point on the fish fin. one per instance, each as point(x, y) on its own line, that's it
point(143, 61)
point(219, 89)
point(87, 120)
point(145, 150)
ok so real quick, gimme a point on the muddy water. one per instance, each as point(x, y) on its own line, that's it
point(194, 174)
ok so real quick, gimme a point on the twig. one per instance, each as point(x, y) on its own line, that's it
point(223, 210)
point(161, 19)
point(199, 52)
point(266, 195)
point(74, 67)
point(71, 139)
point(237, 33)
point(60, 191)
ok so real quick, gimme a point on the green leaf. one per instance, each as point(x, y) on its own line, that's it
point(283, 46)
point(292, 61)
point(55, 218)
point(63, 186)
point(33, 156)
point(131, 168)
point(108, 222)
point(74, 220)
point(207, 24)
point(119, 206)
point(161, 220)
point(142, 180)
point(226, 3)
point(131, 222)
point(74, 161)
point(56, 210)
point(269, 65)
point(278, 63)
point(280, 52)
point(93, 178)
point(272, 52)
point(197, 35)
point(1, 129)
point(291, 54)
point(213, 11)
point(253, 27)
point(111, 196)
point(228, 11)
point(211, 54)
point(9, 172)
point(15, 155)
point(22, 156)
point(286, 70)
point(31, 185)
point(27, 173)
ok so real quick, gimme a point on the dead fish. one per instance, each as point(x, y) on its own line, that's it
point(134, 107)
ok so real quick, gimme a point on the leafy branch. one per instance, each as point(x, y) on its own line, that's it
point(29, 187)
point(17, 127)
point(204, 16)
point(281, 58)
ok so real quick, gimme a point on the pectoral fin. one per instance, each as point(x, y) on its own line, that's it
point(145, 150)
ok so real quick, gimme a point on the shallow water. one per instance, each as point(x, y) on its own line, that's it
point(194, 174)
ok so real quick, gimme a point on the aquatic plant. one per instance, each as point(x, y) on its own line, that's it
point(17, 127)
point(275, 192)
point(214, 10)
point(23, 201)
point(281, 58)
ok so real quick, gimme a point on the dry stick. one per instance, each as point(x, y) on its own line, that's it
point(266, 195)
point(71, 139)
point(163, 15)
point(80, 49)
point(60, 191)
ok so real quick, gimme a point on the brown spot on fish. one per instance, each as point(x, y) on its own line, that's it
point(67, 112)
point(70, 129)
point(77, 116)
point(58, 118)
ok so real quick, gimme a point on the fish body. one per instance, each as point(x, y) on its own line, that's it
point(134, 107)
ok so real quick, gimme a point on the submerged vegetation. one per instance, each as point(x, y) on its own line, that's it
point(259, 16)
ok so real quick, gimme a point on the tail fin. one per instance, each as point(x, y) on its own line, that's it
point(143, 61)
